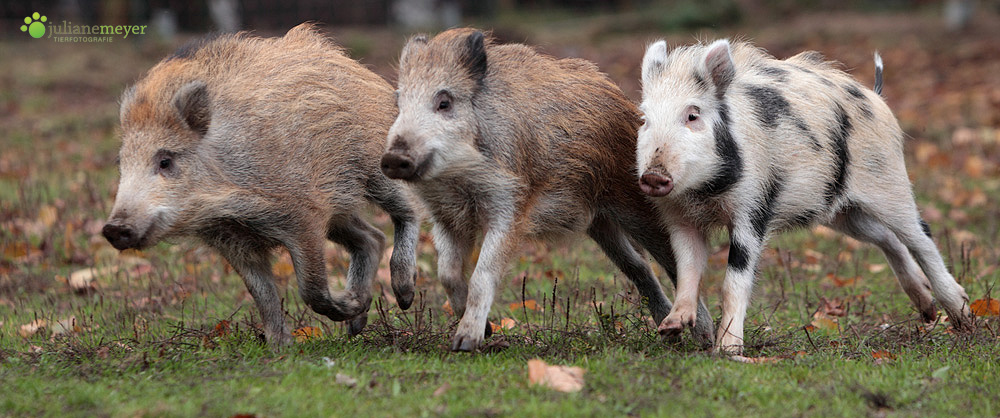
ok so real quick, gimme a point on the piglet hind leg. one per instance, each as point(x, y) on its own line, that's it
point(864, 227)
point(906, 225)
point(616, 246)
point(364, 242)
point(497, 247)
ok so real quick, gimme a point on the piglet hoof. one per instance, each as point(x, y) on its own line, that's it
point(464, 343)
point(468, 336)
point(404, 292)
point(670, 327)
point(929, 314)
point(356, 325)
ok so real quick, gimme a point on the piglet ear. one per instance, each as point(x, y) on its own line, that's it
point(415, 43)
point(653, 61)
point(194, 106)
point(719, 66)
point(473, 57)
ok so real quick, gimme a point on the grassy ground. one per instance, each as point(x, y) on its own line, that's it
point(172, 331)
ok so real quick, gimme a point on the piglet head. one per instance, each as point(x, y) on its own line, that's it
point(684, 140)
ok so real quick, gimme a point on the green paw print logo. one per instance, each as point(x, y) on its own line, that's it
point(34, 25)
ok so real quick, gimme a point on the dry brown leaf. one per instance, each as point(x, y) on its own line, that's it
point(66, 326)
point(883, 355)
point(221, 329)
point(828, 308)
point(975, 166)
point(447, 308)
point(32, 328)
point(842, 281)
point(876, 268)
point(986, 307)
point(82, 281)
point(307, 333)
point(755, 360)
point(529, 304)
point(825, 324)
point(561, 378)
point(507, 323)
point(48, 215)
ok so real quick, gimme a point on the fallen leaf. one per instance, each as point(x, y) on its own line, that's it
point(755, 360)
point(447, 308)
point(529, 304)
point(825, 324)
point(66, 326)
point(560, 378)
point(882, 355)
point(307, 333)
point(48, 215)
point(842, 281)
point(507, 323)
point(32, 328)
point(82, 281)
point(986, 307)
point(221, 329)
point(343, 379)
point(876, 268)
point(827, 308)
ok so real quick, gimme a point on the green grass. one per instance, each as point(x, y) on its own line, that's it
point(172, 331)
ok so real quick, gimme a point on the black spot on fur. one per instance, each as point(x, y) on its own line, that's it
point(802, 126)
point(854, 91)
point(761, 217)
point(190, 48)
point(839, 133)
point(803, 69)
point(863, 106)
point(926, 228)
point(700, 81)
point(769, 105)
point(779, 74)
point(803, 219)
point(739, 257)
point(730, 161)
point(474, 56)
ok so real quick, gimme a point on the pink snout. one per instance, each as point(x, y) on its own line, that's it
point(656, 184)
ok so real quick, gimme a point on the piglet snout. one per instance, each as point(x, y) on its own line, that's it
point(656, 184)
point(122, 237)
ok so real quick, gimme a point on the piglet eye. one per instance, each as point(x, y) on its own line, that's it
point(442, 101)
point(164, 161)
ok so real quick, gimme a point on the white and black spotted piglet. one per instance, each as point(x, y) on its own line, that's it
point(736, 138)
